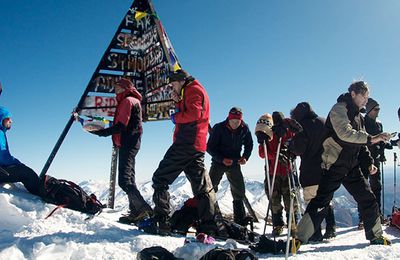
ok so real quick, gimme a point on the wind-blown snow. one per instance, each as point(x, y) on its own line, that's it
point(26, 234)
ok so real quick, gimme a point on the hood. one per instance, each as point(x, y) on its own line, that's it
point(303, 111)
point(4, 113)
point(353, 109)
point(129, 92)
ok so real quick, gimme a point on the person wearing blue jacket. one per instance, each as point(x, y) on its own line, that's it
point(11, 169)
point(225, 145)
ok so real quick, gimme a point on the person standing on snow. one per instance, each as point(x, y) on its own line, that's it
point(186, 154)
point(11, 169)
point(225, 146)
point(374, 127)
point(281, 185)
point(308, 145)
point(344, 152)
point(126, 134)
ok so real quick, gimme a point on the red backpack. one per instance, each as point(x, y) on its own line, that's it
point(395, 221)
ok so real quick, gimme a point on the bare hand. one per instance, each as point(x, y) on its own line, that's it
point(373, 169)
point(227, 162)
point(382, 137)
point(242, 161)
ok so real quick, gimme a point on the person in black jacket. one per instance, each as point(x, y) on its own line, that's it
point(225, 146)
point(308, 145)
point(344, 153)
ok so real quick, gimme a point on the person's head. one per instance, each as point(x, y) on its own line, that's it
point(359, 92)
point(372, 108)
point(235, 117)
point(122, 85)
point(5, 118)
point(398, 113)
point(177, 79)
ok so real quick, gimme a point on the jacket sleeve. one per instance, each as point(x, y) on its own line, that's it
point(299, 143)
point(213, 143)
point(193, 108)
point(343, 129)
point(115, 129)
point(6, 158)
point(248, 145)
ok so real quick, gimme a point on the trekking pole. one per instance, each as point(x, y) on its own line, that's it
point(113, 175)
point(383, 191)
point(394, 181)
point(291, 216)
point(271, 187)
point(296, 186)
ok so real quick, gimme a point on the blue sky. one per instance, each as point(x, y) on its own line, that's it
point(262, 56)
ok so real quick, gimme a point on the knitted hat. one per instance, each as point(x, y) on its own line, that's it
point(264, 125)
point(370, 105)
point(235, 113)
point(179, 75)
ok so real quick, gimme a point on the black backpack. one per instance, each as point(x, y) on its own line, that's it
point(69, 195)
point(155, 253)
point(228, 254)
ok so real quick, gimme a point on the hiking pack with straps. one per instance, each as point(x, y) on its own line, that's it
point(67, 194)
point(228, 254)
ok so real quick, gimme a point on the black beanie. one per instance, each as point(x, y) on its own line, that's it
point(179, 75)
point(370, 105)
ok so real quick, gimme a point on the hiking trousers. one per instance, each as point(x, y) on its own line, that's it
point(178, 158)
point(355, 183)
point(20, 173)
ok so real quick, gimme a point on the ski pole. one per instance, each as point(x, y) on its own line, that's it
point(296, 186)
point(291, 215)
point(113, 174)
point(383, 191)
point(394, 181)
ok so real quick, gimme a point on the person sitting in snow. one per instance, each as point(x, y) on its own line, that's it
point(225, 145)
point(11, 169)
point(344, 153)
point(186, 154)
point(126, 134)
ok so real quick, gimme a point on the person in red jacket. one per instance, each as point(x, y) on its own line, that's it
point(186, 154)
point(281, 185)
point(126, 134)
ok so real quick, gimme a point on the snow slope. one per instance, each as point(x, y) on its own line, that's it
point(26, 234)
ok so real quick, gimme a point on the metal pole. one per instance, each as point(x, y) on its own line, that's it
point(394, 180)
point(113, 175)
point(383, 191)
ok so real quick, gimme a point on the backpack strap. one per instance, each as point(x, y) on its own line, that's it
point(56, 208)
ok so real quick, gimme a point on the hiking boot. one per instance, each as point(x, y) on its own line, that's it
point(360, 225)
point(133, 218)
point(208, 227)
point(330, 233)
point(316, 237)
point(158, 225)
point(381, 240)
point(277, 231)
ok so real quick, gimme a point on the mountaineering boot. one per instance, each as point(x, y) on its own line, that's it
point(133, 218)
point(316, 237)
point(239, 212)
point(277, 231)
point(209, 227)
point(381, 240)
point(330, 232)
point(158, 225)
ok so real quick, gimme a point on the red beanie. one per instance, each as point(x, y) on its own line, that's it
point(235, 113)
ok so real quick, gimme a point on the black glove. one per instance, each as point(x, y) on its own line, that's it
point(279, 130)
point(100, 132)
point(293, 125)
point(261, 137)
point(278, 118)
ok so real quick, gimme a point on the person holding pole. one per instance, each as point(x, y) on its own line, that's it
point(126, 134)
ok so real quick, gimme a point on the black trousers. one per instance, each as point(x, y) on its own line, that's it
point(184, 158)
point(357, 186)
point(376, 185)
point(235, 178)
point(21, 173)
point(126, 178)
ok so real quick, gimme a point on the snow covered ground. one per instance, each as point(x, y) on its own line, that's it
point(26, 234)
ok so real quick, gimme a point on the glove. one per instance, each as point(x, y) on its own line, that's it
point(293, 125)
point(279, 130)
point(99, 132)
point(278, 118)
point(242, 161)
point(261, 137)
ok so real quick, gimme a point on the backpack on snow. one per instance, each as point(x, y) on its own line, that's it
point(395, 219)
point(155, 253)
point(228, 254)
point(68, 194)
